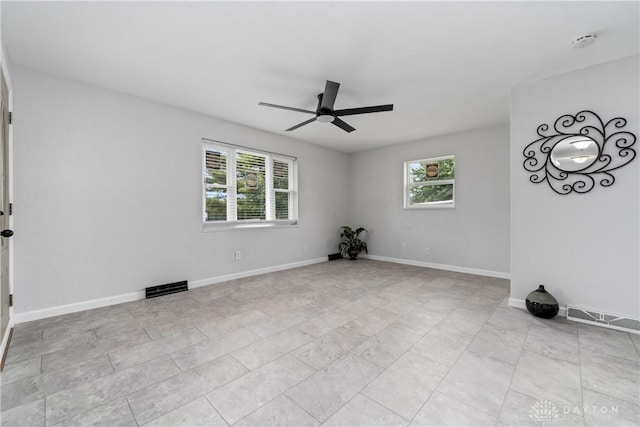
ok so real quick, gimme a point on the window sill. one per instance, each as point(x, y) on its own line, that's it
point(435, 206)
point(209, 227)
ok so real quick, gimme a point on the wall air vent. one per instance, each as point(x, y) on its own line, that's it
point(169, 288)
point(605, 320)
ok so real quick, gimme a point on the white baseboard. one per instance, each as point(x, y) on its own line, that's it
point(59, 310)
point(28, 316)
point(243, 274)
point(520, 303)
point(479, 272)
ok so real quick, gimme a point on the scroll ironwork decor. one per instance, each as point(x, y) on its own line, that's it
point(578, 152)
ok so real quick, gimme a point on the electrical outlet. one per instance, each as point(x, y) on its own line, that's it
point(427, 251)
point(304, 249)
point(404, 245)
point(238, 255)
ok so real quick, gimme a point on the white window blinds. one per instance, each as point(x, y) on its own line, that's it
point(244, 185)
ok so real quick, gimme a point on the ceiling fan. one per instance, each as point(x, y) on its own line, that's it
point(326, 114)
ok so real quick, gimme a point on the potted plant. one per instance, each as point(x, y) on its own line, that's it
point(351, 244)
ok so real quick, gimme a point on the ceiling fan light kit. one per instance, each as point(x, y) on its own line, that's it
point(326, 114)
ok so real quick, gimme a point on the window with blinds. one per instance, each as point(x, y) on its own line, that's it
point(244, 186)
point(430, 183)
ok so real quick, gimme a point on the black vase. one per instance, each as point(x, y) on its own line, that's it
point(541, 303)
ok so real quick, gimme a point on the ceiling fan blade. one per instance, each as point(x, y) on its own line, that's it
point(329, 96)
point(343, 125)
point(265, 104)
point(364, 110)
point(306, 122)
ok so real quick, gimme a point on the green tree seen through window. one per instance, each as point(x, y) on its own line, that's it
point(434, 192)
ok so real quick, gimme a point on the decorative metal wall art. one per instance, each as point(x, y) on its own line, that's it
point(579, 151)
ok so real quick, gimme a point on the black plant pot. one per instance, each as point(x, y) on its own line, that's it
point(353, 254)
point(541, 303)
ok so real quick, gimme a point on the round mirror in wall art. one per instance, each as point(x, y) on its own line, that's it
point(574, 153)
point(578, 152)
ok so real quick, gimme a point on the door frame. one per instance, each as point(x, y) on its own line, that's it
point(9, 177)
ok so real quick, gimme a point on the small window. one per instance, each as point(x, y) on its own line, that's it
point(430, 183)
point(245, 187)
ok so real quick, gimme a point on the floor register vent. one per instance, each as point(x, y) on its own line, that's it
point(169, 288)
point(612, 321)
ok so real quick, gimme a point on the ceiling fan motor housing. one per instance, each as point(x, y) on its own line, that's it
point(324, 115)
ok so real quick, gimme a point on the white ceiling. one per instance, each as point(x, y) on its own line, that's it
point(447, 66)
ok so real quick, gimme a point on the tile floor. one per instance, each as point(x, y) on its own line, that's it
point(339, 343)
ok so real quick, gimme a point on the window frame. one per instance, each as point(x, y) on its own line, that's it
point(270, 221)
point(408, 185)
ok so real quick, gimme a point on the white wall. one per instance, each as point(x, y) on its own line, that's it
point(108, 196)
point(582, 247)
point(473, 236)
